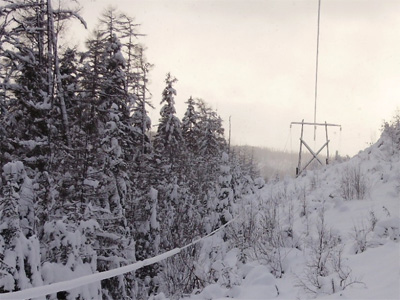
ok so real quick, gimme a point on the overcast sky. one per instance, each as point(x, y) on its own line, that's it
point(255, 61)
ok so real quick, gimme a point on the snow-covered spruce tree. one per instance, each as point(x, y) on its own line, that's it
point(72, 162)
point(141, 119)
point(78, 165)
point(190, 127)
point(25, 83)
point(191, 134)
point(87, 126)
point(211, 145)
point(93, 68)
point(212, 142)
point(20, 265)
point(133, 52)
point(31, 82)
point(222, 206)
point(147, 243)
point(168, 141)
point(169, 146)
point(143, 174)
point(194, 162)
point(136, 70)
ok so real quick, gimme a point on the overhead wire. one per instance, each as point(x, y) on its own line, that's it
point(53, 288)
point(316, 71)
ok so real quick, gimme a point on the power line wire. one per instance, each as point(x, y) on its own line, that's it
point(316, 71)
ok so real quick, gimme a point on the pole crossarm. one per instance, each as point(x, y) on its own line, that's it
point(314, 124)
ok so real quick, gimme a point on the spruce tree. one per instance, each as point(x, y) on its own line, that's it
point(225, 191)
point(168, 141)
point(190, 127)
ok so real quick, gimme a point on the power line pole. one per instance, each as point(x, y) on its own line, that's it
point(229, 139)
point(314, 154)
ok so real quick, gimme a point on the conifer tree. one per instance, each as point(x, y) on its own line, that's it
point(22, 52)
point(141, 120)
point(168, 141)
point(225, 191)
point(190, 127)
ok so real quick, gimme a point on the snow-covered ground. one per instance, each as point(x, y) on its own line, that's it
point(364, 233)
point(331, 233)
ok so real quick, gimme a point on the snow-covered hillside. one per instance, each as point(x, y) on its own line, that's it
point(332, 233)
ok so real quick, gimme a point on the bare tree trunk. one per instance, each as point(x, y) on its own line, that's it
point(56, 76)
point(40, 32)
point(143, 108)
point(50, 25)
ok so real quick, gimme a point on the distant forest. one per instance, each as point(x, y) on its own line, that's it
point(274, 164)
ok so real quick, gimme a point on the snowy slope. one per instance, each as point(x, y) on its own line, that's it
point(359, 203)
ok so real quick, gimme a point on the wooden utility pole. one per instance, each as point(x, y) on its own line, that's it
point(229, 138)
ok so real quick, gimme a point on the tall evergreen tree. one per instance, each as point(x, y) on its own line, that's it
point(141, 120)
point(190, 126)
point(225, 191)
point(168, 141)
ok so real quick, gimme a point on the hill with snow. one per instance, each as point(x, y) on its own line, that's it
point(331, 233)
